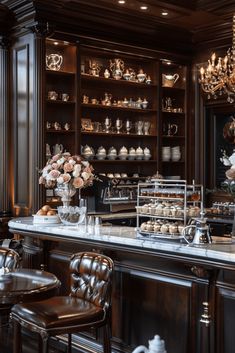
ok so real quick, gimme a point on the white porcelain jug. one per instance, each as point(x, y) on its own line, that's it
point(169, 80)
point(156, 345)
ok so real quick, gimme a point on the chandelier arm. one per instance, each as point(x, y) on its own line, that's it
point(214, 89)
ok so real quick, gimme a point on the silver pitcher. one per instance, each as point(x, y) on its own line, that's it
point(198, 233)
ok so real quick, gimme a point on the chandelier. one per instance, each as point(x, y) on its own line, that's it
point(218, 78)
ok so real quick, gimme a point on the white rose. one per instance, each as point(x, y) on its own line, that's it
point(85, 163)
point(60, 180)
point(77, 170)
point(45, 170)
point(85, 175)
point(61, 160)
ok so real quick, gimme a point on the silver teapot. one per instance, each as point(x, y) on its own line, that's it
point(198, 233)
point(117, 67)
point(54, 62)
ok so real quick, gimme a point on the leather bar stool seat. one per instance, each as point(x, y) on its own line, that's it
point(59, 312)
point(87, 305)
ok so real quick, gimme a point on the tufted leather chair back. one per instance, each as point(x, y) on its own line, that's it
point(9, 258)
point(91, 276)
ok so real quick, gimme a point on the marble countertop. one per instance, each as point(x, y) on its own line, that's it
point(221, 249)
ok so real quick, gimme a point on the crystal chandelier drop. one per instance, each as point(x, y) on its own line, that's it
point(218, 78)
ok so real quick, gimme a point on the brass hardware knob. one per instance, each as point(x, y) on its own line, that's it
point(205, 318)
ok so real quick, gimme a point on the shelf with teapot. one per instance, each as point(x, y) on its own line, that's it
point(121, 134)
point(112, 153)
point(118, 161)
point(60, 56)
point(121, 68)
point(173, 75)
point(115, 107)
point(112, 81)
point(119, 127)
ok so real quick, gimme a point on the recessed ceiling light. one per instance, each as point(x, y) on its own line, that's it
point(164, 13)
point(168, 62)
point(144, 7)
point(56, 43)
point(121, 1)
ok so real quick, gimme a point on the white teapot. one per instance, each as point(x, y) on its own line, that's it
point(132, 153)
point(139, 153)
point(88, 152)
point(58, 148)
point(147, 153)
point(123, 150)
point(155, 346)
point(101, 153)
point(112, 153)
point(101, 150)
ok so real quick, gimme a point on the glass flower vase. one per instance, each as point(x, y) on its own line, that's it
point(66, 191)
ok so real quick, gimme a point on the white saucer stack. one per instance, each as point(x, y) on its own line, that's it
point(175, 154)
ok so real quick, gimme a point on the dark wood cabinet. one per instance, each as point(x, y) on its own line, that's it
point(144, 114)
point(119, 100)
point(61, 116)
point(174, 119)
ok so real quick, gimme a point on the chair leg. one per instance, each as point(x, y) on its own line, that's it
point(43, 343)
point(69, 343)
point(16, 337)
point(106, 339)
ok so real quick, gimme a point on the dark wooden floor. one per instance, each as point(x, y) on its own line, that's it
point(29, 343)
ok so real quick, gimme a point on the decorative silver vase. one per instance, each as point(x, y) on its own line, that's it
point(66, 191)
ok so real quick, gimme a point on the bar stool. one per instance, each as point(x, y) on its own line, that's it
point(9, 260)
point(87, 306)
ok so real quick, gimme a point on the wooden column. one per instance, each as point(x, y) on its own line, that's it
point(5, 199)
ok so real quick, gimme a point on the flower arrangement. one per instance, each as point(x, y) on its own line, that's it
point(63, 168)
point(229, 161)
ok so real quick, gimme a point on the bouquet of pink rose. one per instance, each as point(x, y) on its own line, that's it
point(66, 169)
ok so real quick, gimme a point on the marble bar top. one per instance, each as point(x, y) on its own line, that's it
point(222, 250)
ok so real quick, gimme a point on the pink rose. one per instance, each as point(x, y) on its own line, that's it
point(55, 166)
point(68, 167)
point(78, 183)
point(42, 180)
point(54, 174)
point(66, 177)
point(56, 157)
point(85, 175)
point(87, 169)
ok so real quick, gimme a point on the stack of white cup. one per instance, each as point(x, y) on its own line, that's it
point(175, 153)
point(166, 153)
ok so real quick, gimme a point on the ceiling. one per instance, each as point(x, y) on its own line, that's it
point(188, 14)
point(190, 26)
